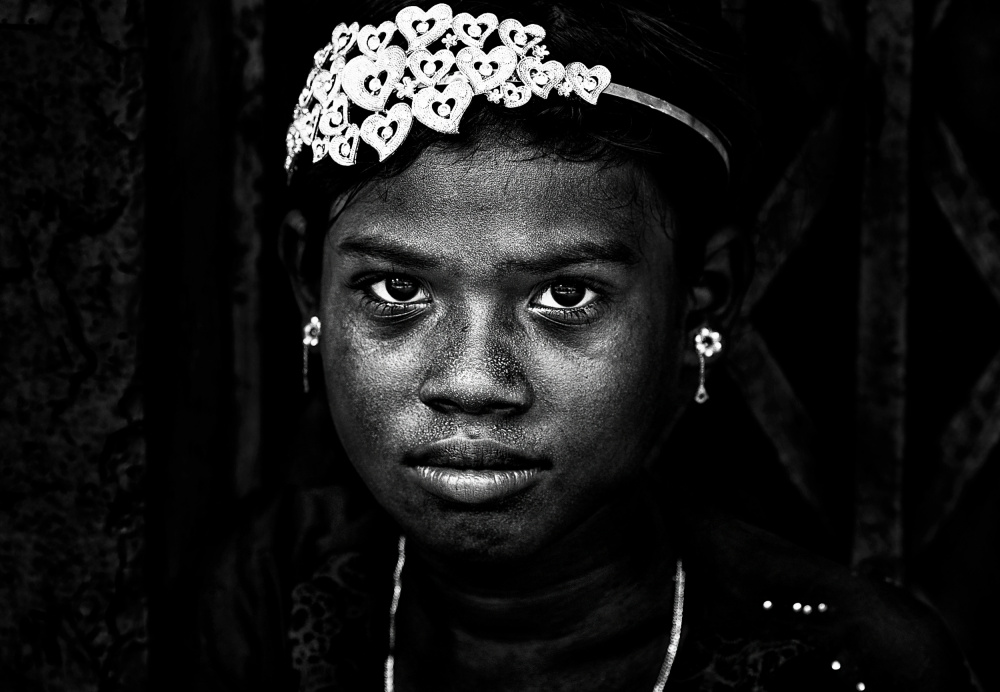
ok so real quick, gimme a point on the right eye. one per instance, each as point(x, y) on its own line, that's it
point(563, 295)
point(399, 290)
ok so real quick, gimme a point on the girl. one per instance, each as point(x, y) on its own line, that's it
point(513, 250)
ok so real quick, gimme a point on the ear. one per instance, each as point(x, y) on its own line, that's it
point(716, 297)
point(292, 248)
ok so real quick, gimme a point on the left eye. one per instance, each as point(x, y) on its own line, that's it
point(399, 290)
point(566, 295)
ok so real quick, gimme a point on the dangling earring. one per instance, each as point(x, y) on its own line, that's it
point(707, 343)
point(310, 337)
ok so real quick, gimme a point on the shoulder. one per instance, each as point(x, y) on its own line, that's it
point(806, 620)
point(248, 589)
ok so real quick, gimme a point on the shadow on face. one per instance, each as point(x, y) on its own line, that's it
point(502, 343)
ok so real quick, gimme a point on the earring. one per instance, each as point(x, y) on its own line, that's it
point(310, 337)
point(707, 343)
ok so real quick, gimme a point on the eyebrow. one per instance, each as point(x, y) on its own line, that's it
point(389, 252)
point(583, 252)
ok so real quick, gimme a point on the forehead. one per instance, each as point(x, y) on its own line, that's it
point(499, 200)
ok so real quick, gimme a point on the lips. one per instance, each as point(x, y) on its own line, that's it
point(464, 453)
point(474, 472)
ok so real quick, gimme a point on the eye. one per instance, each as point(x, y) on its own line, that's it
point(399, 289)
point(566, 295)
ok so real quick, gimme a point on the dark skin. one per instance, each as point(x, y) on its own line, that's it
point(537, 304)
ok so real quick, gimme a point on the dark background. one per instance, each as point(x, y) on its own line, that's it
point(150, 349)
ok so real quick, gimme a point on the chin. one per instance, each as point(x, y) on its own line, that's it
point(497, 534)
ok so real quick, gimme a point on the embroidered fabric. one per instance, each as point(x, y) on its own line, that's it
point(299, 601)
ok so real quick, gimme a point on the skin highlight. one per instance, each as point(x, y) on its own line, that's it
point(482, 358)
point(535, 304)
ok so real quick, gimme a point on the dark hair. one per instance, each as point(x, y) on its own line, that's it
point(682, 52)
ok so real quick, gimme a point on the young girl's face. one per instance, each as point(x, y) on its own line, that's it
point(501, 344)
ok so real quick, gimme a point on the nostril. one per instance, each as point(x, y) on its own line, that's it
point(477, 401)
point(478, 393)
point(441, 405)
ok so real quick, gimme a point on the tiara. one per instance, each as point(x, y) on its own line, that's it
point(445, 64)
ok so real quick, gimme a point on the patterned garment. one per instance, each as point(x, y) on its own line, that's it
point(328, 612)
point(760, 614)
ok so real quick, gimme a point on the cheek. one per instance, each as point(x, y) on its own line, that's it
point(600, 393)
point(365, 378)
point(615, 397)
point(369, 384)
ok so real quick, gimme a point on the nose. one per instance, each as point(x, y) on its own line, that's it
point(477, 366)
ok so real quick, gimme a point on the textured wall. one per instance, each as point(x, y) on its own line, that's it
point(72, 611)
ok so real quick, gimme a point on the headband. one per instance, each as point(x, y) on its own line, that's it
point(436, 87)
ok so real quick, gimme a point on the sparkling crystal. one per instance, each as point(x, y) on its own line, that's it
point(429, 68)
point(423, 27)
point(375, 85)
point(486, 69)
point(520, 38)
point(373, 42)
point(385, 133)
point(475, 31)
point(444, 110)
point(541, 79)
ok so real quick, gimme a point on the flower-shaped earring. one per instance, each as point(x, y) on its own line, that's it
point(310, 337)
point(707, 343)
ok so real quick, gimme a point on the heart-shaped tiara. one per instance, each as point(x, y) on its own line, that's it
point(435, 87)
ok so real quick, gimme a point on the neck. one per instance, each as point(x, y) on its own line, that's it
point(606, 586)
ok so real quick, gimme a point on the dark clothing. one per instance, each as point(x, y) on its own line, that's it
point(295, 605)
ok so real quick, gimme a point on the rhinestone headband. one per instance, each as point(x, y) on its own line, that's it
point(435, 87)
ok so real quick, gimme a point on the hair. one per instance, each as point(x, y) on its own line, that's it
point(682, 52)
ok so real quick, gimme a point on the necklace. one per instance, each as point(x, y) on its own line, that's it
point(661, 679)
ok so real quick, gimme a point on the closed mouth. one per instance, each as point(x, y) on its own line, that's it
point(474, 472)
point(474, 486)
point(473, 455)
